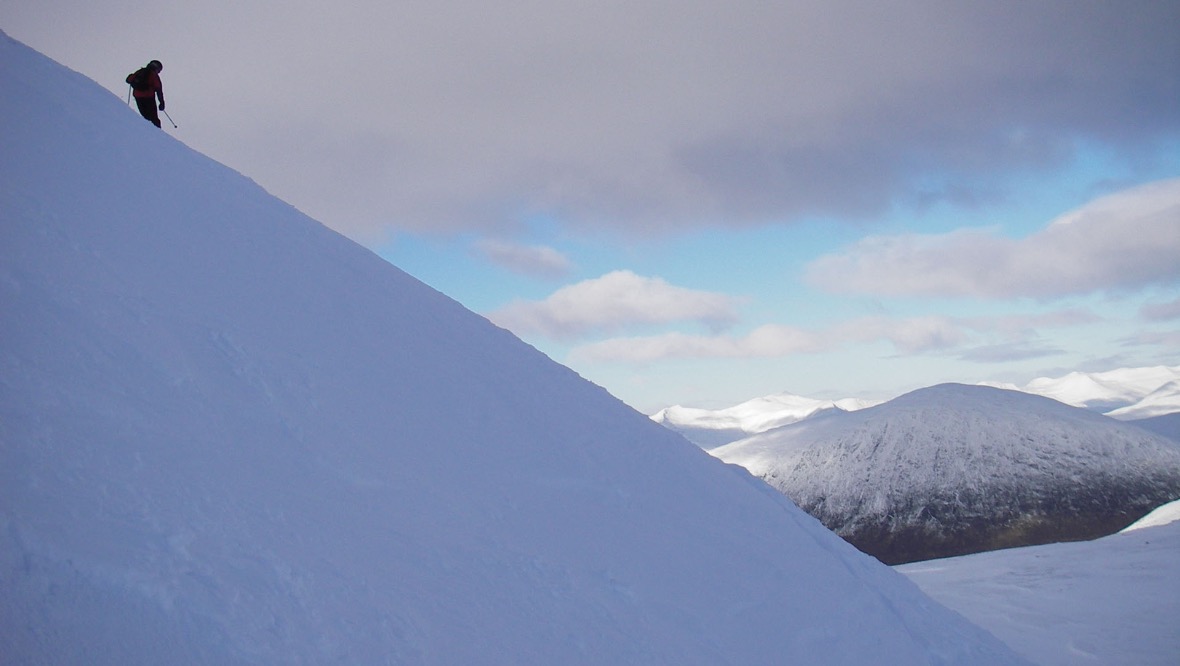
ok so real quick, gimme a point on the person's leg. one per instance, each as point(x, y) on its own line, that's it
point(147, 109)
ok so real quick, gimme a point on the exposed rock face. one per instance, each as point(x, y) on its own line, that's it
point(955, 469)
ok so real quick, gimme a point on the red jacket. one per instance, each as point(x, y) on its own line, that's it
point(155, 86)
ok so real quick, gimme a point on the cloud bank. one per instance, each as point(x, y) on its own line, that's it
point(980, 339)
point(447, 115)
point(1124, 241)
point(616, 301)
point(532, 260)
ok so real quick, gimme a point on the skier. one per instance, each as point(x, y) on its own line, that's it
point(146, 86)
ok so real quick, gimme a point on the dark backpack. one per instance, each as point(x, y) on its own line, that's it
point(140, 80)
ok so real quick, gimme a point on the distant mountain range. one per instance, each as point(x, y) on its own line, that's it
point(1126, 394)
point(710, 429)
point(956, 469)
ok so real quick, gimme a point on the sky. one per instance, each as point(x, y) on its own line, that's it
point(700, 203)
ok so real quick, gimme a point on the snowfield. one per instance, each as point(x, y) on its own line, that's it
point(229, 435)
point(1110, 602)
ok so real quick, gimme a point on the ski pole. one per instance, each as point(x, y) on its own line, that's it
point(169, 119)
point(128, 94)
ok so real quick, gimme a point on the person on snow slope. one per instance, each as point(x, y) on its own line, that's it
point(146, 86)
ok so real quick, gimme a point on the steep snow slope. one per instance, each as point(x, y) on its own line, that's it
point(1110, 602)
point(229, 435)
point(954, 469)
point(712, 428)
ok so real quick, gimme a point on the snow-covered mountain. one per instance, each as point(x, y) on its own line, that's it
point(1114, 601)
point(954, 469)
point(1127, 394)
point(229, 435)
point(1160, 402)
point(712, 428)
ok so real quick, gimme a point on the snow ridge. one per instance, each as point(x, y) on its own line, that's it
point(1160, 402)
point(1108, 391)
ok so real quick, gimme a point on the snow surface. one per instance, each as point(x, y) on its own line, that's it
point(1110, 602)
point(1168, 513)
point(229, 435)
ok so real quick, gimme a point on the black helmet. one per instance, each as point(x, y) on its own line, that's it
point(156, 65)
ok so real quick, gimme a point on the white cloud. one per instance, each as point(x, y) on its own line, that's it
point(908, 336)
point(531, 260)
point(763, 342)
point(775, 340)
point(912, 335)
point(1018, 327)
point(1124, 241)
point(612, 303)
point(1006, 352)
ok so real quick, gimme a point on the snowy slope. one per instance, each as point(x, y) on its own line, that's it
point(955, 469)
point(1110, 602)
point(1168, 513)
point(1160, 402)
point(229, 435)
point(712, 428)
point(1107, 391)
